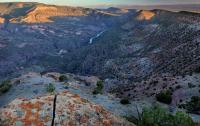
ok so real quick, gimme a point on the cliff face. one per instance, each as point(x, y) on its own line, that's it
point(2, 20)
point(146, 15)
point(69, 110)
point(42, 13)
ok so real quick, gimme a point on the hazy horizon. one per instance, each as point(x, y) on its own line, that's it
point(108, 2)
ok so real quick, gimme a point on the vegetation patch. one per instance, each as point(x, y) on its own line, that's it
point(178, 87)
point(197, 70)
point(157, 116)
point(164, 97)
point(5, 86)
point(190, 85)
point(66, 85)
point(63, 78)
point(50, 88)
point(125, 101)
point(99, 88)
point(193, 106)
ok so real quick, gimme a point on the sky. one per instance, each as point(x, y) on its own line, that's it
point(108, 2)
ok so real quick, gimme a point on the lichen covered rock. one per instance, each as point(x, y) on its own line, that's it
point(23, 112)
point(70, 110)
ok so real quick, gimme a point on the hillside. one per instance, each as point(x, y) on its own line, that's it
point(41, 13)
point(151, 42)
point(154, 51)
point(27, 34)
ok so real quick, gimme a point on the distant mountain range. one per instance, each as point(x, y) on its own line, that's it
point(177, 7)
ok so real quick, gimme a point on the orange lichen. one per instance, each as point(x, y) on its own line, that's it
point(71, 123)
point(49, 98)
point(31, 118)
point(35, 112)
point(65, 92)
point(5, 113)
point(98, 108)
point(107, 122)
point(76, 96)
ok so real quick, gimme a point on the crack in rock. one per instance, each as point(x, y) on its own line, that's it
point(54, 109)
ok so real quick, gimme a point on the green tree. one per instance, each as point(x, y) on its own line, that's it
point(5, 86)
point(125, 101)
point(164, 97)
point(99, 87)
point(193, 105)
point(157, 116)
point(63, 78)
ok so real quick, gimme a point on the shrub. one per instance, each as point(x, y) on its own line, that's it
point(164, 97)
point(66, 85)
point(197, 70)
point(95, 92)
point(190, 85)
point(50, 88)
point(18, 82)
point(178, 87)
point(99, 85)
point(182, 119)
point(125, 101)
point(99, 88)
point(63, 78)
point(157, 116)
point(193, 105)
point(5, 86)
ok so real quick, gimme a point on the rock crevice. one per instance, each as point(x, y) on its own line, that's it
point(54, 109)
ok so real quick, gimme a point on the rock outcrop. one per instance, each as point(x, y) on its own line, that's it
point(37, 112)
point(66, 110)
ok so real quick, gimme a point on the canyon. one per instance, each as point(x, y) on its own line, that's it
point(135, 53)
